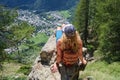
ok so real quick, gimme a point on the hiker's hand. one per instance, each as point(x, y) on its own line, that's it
point(84, 62)
point(82, 65)
point(54, 68)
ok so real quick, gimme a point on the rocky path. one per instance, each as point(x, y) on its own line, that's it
point(42, 72)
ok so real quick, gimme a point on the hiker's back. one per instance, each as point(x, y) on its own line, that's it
point(70, 48)
point(69, 53)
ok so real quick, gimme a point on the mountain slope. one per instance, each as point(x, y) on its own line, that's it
point(42, 5)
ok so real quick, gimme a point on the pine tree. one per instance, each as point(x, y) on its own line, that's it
point(12, 33)
point(6, 18)
point(82, 19)
point(103, 24)
point(109, 29)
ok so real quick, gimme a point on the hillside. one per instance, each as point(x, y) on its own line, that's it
point(41, 5)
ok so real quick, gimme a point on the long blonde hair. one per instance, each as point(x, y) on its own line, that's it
point(70, 43)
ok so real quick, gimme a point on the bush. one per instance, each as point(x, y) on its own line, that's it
point(25, 69)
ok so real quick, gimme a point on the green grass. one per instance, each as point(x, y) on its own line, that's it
point(10, 72)
point(40, 37)
point(65, 14)
point(100, 70)
point(29, 51)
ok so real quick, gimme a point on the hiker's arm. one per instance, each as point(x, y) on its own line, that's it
point(80, 53)
point(59, 52)
point(54, 67)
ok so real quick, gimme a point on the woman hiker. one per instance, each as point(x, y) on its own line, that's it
point(69, 54)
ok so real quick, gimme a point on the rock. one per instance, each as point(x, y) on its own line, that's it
point(48, 50)
point(42, 72)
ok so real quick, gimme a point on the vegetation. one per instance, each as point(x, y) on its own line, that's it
point(12, 34)
point(6, 18)
point(108, 31)
point(23, 61)
point(103, 26)
point(65, 14)
point(9, 71)
point(101, 70)
point(102, 36)
point(81, 22)
point(19, 36)
point(25, 69)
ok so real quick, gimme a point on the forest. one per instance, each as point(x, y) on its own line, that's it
point(98, 24)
